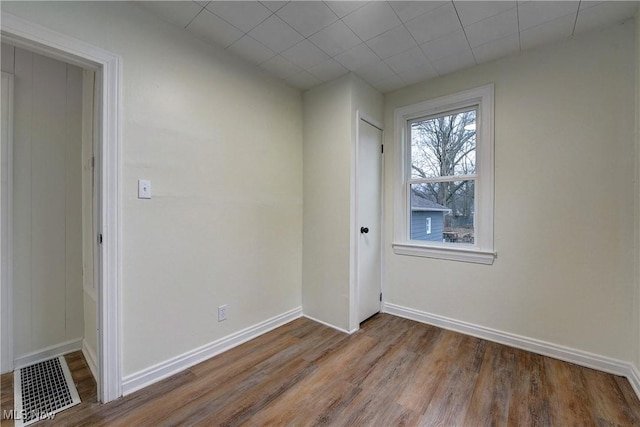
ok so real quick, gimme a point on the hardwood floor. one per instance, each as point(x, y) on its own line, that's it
point(392, 372)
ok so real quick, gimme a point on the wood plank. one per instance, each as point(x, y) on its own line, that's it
point(569, 403)
point(529, 403)
point(449, 403)
point(490, 400)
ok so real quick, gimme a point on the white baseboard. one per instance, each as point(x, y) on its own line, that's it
point(91, 358)
point(329, 325)
point(578, 357)
point(153, 374)
point(48, 353)
point(633, 375)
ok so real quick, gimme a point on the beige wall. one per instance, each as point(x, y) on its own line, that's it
point(327, 197)
point(329, 143)
point(222, 145)
point(47, 233)
point(564, 210)
point(636, 297)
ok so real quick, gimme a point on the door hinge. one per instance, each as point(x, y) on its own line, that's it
point(381, 148)
point(93, 162)
point(100, 238)
point(380, 296)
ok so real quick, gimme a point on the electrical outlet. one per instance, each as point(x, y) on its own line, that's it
point(222, 313)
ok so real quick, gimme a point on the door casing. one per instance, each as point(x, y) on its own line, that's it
point(108, 68)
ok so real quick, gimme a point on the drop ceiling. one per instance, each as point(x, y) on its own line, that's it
point(390, 44)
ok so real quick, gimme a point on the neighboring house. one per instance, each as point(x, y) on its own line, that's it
point(427, 219)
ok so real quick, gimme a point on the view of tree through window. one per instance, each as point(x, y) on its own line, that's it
point(443, 176)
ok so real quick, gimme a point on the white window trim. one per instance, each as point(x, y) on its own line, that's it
point(482, 251)
point(428, 225)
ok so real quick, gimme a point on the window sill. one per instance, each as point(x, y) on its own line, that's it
point(453, 254)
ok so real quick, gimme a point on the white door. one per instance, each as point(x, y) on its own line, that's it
point(369, 197)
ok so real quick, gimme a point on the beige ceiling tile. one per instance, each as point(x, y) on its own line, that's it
point(434, 24)
point(393, 41)
point(276, 34)
point(493, 28)
point(474, 11)
point(243, 14)
point(335, 39)
point(307, 17)
point(214, 29)
point(372, 19)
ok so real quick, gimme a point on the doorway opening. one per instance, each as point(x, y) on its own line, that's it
point(105, 68)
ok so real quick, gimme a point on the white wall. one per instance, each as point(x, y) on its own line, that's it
point(222, 145)
point(564, 210)
point(329, 151)
point(47, 247)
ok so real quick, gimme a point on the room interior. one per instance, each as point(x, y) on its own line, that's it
point(244, 123)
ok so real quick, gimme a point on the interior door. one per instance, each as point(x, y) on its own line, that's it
point(369, 197)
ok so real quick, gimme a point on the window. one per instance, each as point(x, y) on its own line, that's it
point(444, 155)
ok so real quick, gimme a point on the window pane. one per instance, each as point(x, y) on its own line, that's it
point(444, 145)
point(451, 208)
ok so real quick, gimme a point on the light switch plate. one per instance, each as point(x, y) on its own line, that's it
point(144, 189)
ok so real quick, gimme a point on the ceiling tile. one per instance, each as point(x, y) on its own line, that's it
point(389, 85)
point(497, 48)
point(281, 67)
point(391, 42)
point(585, 4)
point(328, 70)
point(534, 13)
point(251, 50)
point(214, 29)
point(303, 80)
point(372, 19)
point(276, 34)
point(407, 10)
point(305, 55)
point(493, 28)
point(176, 12)
point(551, 31)
point(243, 14)
point(335, 39)
point(606, 13)
point(274, 6)
point(434, 24)
point(357, 57)
point(416, 75)
point(307, 17)
point(474, 11)
point(376, 72)
point(446, 46)
point(454, 63)
point(343, 8)
point(408, 60)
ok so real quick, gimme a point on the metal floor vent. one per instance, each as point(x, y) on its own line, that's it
point(42, 390)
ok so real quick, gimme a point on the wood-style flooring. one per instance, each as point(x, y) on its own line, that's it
point(392, 372)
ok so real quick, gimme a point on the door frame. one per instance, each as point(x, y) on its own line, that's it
point(6, 246)
point(354, 306)
point(108, 68)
